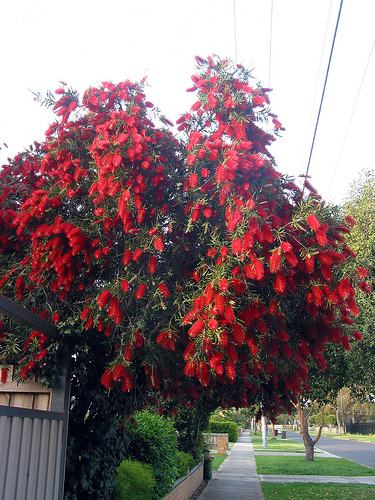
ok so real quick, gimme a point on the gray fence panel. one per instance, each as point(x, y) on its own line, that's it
point(31, 444)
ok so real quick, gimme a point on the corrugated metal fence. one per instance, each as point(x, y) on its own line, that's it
point(31, 444)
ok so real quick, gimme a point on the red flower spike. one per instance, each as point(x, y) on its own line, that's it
point(141, 291)
point(313, 222)
point(103, 299)
point(197, 328)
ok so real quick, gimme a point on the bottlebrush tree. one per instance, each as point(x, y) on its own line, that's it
point(190, 262)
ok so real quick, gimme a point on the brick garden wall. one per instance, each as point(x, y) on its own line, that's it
point(185, 487)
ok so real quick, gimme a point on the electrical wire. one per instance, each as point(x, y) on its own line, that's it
point(317, 79)
point(324, 88)
point(351, 117)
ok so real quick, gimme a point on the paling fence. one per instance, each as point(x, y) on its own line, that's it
point(33, 433)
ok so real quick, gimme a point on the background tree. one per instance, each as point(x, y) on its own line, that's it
point(176, 268)
point(360, 205)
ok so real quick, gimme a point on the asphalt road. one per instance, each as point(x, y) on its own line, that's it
point(356, 451)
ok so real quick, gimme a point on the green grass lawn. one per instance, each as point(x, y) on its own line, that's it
point(219, 459)
point(286, 465)
point(352, 437)
point(302, 491)
point(277, 444)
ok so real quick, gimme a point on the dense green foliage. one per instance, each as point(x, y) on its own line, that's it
point(134, 481)
point(228, 427)
point(153, 441)
point(185, 461)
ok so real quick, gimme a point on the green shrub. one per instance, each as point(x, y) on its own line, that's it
point(224, 427)
point(153, 441)
point(134, 481)
point(184, 461)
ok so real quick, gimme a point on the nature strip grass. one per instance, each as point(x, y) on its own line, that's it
point(350, 437)
point(283, 445)
point(321, 466)
point(303, 491)
point(218, 460)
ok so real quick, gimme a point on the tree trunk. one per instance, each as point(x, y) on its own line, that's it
point(307, 439)
point(273, 430)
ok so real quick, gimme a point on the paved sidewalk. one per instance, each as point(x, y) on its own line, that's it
point(236, 478)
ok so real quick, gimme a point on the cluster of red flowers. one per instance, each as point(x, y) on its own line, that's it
point(133, 229)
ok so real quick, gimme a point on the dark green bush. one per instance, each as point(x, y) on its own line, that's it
point(134, 481)
point(207, 465)
point(184, 461)
point(224, 427)
point(153, 441)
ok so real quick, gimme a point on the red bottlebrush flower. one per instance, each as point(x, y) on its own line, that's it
point(273, 307)
point(158, 244)
point(279, 283)
point(164, 290)
point(281, 335)
point(141, 291)
point(318, 296)
point(313, 222)
point(362, 272)
point(55, 317)
point(213, 324)
point(125, 285)
point(224, 285)
point(357, 335)
point(326, 271)
point(20, 287)
point(4, 375)
point(190, 160)
point(137, 254)
point(309, 263)
point(275, 261)
point(230, 370)
point(211, 252)
point(117, 159)
point(350, 221)
point(362, 285)
point(190, 369)
point(352, 306)
point(203, 373)
point(321, 236)
point(197, 328)
point(193, 180)
point(209, 294)
point(219, 303)
point(152, 264)
point(107, 379)
point(127, 257)
point(237, 246)
point(238, 334)
point(89, 324)
point(258, 269)
point(118, 372)
point(85, 313)
point(103, 299)
point(345, 343)
point(128, 352)
point(221, 174)
point(286, 350)
point(216, 358)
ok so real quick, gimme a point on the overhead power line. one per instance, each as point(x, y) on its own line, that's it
point(324, 87)
point(351, 117)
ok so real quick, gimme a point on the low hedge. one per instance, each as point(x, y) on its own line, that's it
point(134, 481)
point(225, 426)
point(184, 461)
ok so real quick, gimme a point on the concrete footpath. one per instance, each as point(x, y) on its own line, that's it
point(236, 478)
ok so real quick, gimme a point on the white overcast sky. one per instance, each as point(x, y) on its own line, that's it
point(85, 42)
